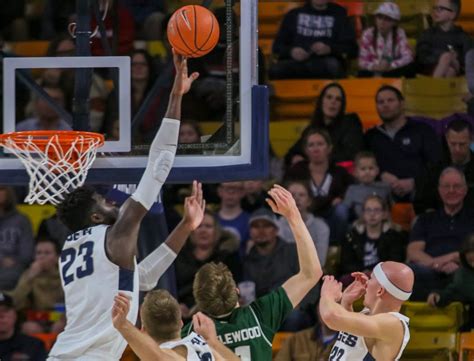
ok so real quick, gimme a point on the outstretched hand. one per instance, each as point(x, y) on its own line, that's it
point(355, 290)
point(282, 202)
point(182, 81)
point(120, 311)
point(331, 288)
point(194, 207)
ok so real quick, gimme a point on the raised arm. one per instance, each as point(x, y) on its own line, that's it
point(336, 317)
point(122, 236)
point(310, 272)
point(141, 343)
point(205, 327)
point(157, 262)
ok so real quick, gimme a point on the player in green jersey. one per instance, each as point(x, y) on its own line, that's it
point(249, 330)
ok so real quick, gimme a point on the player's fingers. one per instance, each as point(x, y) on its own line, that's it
point(194, 76)
point(203, 205)
point(272, 204)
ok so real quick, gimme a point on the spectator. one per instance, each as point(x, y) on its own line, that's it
point(366, 172)
point(148, 15)
point(458, 138)
point(384, 49)
point(255, 195)
point(436, 237)
point(330, 114)
point(231, 216)
point(208, 243)
point(317, 227)
point(16, 240)
point(119, 17)
point(328, 182)
point(52, 228)
point(461, 289)
point(189, 133)
point(372, 239)
point(312, 344)
point(45, 117)
point(39, 287)
point(402, 147)
point(271, 261)
point(13, 344)
point(313, 42)
point(13, 24)
point(469, 98)
point(441, 50)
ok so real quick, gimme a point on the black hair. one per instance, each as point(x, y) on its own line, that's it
point(76, 208)
point(318, 116)
point(322, 132)
point(394, 38)
point(459, 125)
point(57, 248)
point(391, 88)
point(10, 203)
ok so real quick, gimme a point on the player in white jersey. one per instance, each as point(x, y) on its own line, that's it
point(98, 259)
point(160, 338)
point(379, 332)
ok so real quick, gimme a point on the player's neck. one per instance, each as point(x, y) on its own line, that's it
point(175, 337)
point(385, 307)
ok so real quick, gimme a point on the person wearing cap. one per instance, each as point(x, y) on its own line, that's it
point(379, 332)
point(13, 344)
point(441, 49)
point(384, 49)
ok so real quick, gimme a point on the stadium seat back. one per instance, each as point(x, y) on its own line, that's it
point(284, 134)
point(425, 318)
point(431, 346)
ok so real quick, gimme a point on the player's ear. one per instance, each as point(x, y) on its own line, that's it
point(380, 292)
point(97, 218)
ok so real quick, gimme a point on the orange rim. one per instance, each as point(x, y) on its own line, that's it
point(42, 137)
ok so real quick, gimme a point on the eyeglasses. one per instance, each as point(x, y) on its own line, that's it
point(373, 210)
point(454, 187)
point(442, 8)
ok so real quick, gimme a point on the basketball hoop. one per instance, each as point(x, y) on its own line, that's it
point(56, 161)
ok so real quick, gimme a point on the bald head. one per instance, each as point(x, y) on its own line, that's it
point(399, 274)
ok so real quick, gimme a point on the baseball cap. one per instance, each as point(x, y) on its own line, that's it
point(263, 214)
point(389, 9)
point(6, 300)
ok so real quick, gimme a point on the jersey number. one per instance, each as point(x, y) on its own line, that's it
point(207, 356)
point(68, 256)
point(336, 354)
point(243, 352)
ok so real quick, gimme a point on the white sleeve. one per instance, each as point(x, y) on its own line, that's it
point(154, 265)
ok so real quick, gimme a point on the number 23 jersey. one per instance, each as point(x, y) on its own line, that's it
point(90, 282)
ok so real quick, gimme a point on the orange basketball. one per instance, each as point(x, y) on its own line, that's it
point(193, 31)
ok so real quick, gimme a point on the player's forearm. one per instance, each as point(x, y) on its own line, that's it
point(177, 239)
point(174, 106)
point(330, 312)
point(221, 352)
point(309, 264)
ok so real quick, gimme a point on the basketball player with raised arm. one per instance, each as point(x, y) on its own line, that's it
point(249, 330)
point(159, 339)
point(379, 332)
point(98, 259)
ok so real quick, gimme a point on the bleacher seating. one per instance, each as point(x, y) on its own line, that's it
point(284, 134)
point(278, 340)
point(431, 346)
point(36, 213)
point(466, 346)
point(466, 18)
point(425, 318)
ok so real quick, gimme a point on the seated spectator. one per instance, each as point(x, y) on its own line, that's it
point(313, 42)
point(372, 239)
point(366, 172)
point(208, 243)
point(328, 182)
point(436, 237)
point(230, 215)
point(13, 344)
point(255, 195)
point(317, 227)
point(461, 289)
point(189, 133)
point(330, 114)
point(441, 50)
point(45, 117)
point(403, 148)
point(270, 262)
point(39, 287)
point(52, 228)
point(458, 136)
point(16, 240)
point(384, 49)
point(469, 97)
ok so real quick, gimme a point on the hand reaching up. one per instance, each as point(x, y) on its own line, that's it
point(282, 202)
point(194, 207)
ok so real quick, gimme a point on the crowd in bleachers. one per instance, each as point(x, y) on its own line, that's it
point(381, 168)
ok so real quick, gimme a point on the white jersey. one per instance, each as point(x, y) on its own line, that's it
point(90, 282)
point(198, 349)
point(353, 348)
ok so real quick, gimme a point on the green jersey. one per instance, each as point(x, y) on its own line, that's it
point(249, 330)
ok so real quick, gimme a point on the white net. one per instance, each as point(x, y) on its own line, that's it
point(54, 169)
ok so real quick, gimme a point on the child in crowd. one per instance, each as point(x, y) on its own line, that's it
point(317, 227)
point(372, 239)
point(384, 49)
point(366, 171)
point(462, 287)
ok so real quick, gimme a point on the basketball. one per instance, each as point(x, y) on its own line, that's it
point(193, 31)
